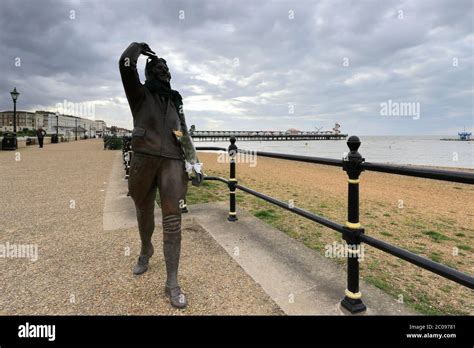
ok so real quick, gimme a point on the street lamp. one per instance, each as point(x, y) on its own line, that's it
point(55, 137)
point(14, 95)
point(57, 124)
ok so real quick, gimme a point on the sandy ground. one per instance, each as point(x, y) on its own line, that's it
point(53, 198)
point(429, 217)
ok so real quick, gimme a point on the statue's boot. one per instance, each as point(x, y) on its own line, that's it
point(176, 296)
point(142, 264)
point(146, 226)
point(172, 250)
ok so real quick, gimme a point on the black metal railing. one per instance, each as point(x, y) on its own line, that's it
point(427, 173)
point(353, 233)
point(126, 154)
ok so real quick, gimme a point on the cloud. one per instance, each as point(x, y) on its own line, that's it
point(245, 65)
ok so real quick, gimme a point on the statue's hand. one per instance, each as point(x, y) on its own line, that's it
point(197, 179)
point(146, 50)
point(195, 172)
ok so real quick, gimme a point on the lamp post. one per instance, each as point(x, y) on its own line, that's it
point(55, 137)
point(14, 95)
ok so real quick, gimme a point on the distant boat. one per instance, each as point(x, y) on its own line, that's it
point(463, 136)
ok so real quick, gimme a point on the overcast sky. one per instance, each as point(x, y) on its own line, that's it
point(269, 65)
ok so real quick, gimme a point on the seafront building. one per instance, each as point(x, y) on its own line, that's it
point(49, 121)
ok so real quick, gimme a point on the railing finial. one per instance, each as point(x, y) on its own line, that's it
point(353, 143)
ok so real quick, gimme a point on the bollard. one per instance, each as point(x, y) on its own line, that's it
point(232, 180)
point(352, 230)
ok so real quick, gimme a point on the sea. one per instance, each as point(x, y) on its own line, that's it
point(406, 150)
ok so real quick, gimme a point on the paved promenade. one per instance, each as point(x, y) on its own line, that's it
point(53, 198)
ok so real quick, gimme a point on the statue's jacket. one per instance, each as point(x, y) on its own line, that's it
point(153, 120)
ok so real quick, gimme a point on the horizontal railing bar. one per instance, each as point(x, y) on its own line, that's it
point(415, 171)
point(446, 272)
point(284, 205)
point(302, 212)
point(310, 159)
point(420, 172)
point(217, 178)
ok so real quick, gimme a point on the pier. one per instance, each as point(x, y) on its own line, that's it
point(265, 135)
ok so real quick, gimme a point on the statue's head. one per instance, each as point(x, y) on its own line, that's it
point(156, 68)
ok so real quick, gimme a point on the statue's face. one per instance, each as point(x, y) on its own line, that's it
point(158, 69)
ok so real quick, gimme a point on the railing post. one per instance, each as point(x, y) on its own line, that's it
point(352, 230)
point(127, 164)
point(232, 180)
point(184, 207)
